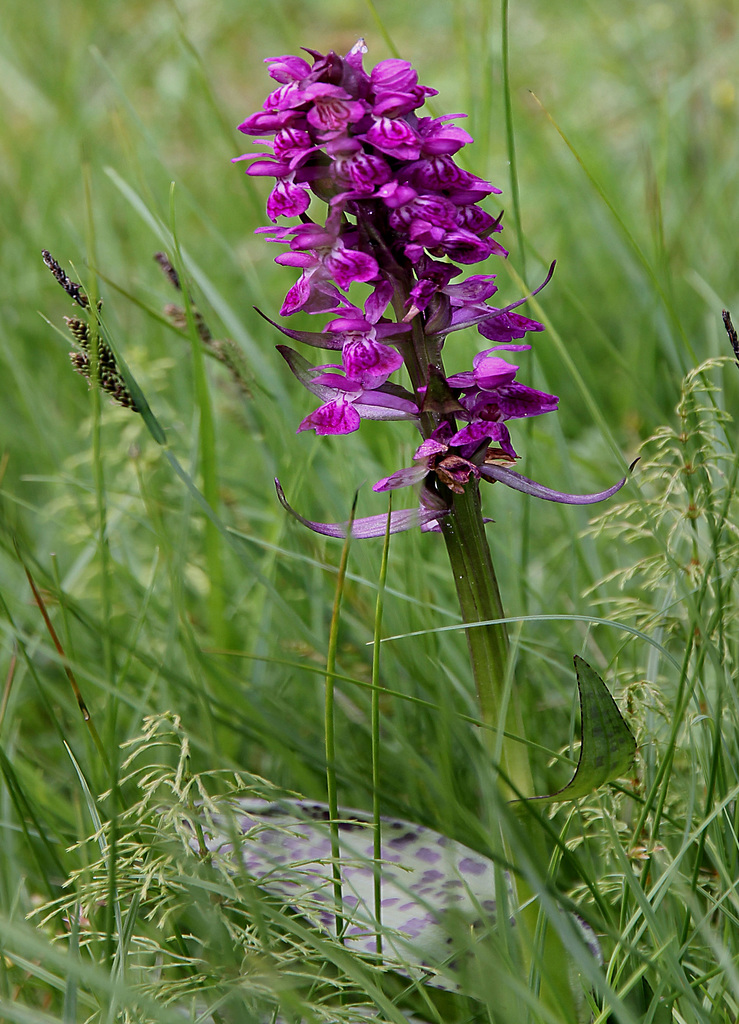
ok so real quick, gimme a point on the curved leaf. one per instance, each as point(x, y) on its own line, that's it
point(607, 744)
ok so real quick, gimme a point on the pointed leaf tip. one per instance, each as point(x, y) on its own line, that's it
point(607, 744)
point(492, 472)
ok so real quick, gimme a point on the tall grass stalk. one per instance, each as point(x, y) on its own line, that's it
point(377, 690)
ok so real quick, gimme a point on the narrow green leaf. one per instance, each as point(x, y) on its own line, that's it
point(144, 409)
point(71, 986)
point(607, 744)
point(329, 725)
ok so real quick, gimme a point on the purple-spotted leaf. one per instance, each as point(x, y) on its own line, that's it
point(430, 885)
point(607, 744)
point(425, 878)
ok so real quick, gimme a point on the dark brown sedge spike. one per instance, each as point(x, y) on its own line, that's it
point(163, 261)
point(73, 290)
point(80, 331)
point(222, 349)
point(731, 331)
point(108, 375)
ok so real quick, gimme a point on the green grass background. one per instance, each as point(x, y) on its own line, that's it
point(627, 146)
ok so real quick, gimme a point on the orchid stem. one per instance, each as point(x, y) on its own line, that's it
point(489, 648)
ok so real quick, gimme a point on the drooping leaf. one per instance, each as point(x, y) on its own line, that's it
point(607, 744)
point(438, 897)
point(425, 877)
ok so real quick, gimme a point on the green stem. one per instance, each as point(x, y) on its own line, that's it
point(473, 570)
point(489, 649)
point(330, 734)
point(207, 455)
point(376, 687)
point(479, 600)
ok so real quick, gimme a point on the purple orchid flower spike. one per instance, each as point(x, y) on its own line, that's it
point(402, 219)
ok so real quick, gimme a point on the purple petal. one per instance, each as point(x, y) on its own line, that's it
point(335, 417)
point(369, 526)
point(337, 381)
point(462, 380)
point(268, 169)
point(285, 99)
point(518, 400)
point(349, 265)
point(296, 259)
point(363, 172)
point(441, 138)
point(293, 143)
point(268, 121)
point(378, 301)
point(479, 430)
point(396, 193)
point(287, 200)
point(393, 73)
point(435, 210)
point(474, 219)
point(476, 288)
point(504, 326)
point(391, 329)
point(313, 236)
point(394, 136)
point(401, 478)
point(465, 247)
point(288, 68)
point(431, 446)
point(297, 295)
point(523, 484)
point(369, 362)
point(492, 371)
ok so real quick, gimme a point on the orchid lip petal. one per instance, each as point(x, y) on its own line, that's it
point(526, 486)
point(368, 526)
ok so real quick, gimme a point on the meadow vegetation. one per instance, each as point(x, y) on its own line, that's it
point(194, 616)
